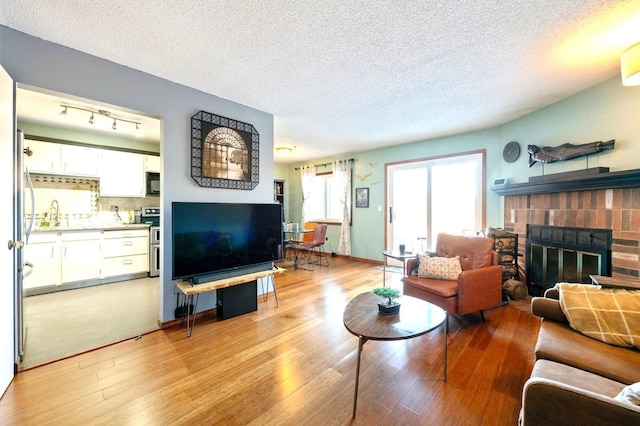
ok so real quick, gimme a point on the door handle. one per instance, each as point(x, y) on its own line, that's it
point(15, 244)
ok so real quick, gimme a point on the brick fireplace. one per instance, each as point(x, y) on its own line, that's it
point(615, 209)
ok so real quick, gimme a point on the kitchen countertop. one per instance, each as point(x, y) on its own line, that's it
point(92, 227)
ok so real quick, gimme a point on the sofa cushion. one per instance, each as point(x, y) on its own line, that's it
point(474, 252)
point(609, 315)
point(440, 268)
point(575, 377)
point(560, 343)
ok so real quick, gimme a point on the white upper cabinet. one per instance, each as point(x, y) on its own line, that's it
point(152, 163)
point(60, 159)
point(121, 174)
point(45, 157)
point(79, 161)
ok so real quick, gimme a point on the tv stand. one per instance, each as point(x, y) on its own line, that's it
point(191, 292)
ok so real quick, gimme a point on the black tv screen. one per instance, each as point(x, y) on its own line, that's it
point(219, 240)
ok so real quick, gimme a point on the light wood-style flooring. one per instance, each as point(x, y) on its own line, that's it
point(289, 365)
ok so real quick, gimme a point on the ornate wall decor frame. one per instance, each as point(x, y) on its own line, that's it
point(225, 153)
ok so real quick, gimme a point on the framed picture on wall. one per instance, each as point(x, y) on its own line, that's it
point(224, 152)
point(362, 197)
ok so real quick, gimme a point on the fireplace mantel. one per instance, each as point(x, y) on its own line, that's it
point(624, 179)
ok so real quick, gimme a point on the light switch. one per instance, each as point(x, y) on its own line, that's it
point(379, 208)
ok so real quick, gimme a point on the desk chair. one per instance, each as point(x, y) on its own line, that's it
point(317, 245)
point(305, 237)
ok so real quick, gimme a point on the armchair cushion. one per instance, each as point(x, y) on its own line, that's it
point(440, 268)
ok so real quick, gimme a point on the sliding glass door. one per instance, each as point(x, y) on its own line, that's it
point(430, 196)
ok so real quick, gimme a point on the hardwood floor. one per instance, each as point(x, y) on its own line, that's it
point(293, 364)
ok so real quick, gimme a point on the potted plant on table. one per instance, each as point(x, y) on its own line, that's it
point(390, 306)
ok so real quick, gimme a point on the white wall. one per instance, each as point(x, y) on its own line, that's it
point(35, 62)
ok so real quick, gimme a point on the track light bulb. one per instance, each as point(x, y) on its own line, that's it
point(63, 113)
point(138, 130)
point(91, 119)
point(115, 125)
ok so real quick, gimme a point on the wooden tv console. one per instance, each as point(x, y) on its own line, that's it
point(190, 290)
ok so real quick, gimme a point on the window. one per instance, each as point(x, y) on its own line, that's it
point(433, 195)
point(325, 205)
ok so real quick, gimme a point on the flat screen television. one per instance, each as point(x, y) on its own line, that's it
point(212, 241)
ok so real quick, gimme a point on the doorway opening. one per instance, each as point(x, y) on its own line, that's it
point(82, 292)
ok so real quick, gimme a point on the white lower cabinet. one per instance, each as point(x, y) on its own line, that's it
point(80, 256)
point(43, 252)
point(125, 252)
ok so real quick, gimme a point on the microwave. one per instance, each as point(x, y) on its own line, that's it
point(153, 183)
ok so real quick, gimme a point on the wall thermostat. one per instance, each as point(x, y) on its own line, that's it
point(499, 181)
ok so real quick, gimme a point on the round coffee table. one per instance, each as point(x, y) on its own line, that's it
point(416, 317)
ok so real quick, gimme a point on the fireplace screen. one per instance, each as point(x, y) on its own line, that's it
point(550, 265)
point(557, 254)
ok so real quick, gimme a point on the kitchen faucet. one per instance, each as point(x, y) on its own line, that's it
point(55, 220)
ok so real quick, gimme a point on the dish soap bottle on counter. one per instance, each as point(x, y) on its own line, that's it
point(45, 222)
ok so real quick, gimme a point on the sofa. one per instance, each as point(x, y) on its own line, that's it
point(576, 378)
point(474, 287)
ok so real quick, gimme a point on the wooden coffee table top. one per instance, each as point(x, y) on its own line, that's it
point(416, 317)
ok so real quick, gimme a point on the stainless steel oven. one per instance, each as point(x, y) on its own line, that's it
point(151, 215)
point(154, 251)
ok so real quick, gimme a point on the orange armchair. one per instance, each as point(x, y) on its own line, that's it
point(477, 287)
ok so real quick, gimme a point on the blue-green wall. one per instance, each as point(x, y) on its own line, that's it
point(605, 111)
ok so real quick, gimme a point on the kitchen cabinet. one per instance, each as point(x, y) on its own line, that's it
point(45, 157)
point(81, 256)
point(61, 159)
point(125, 252)
point(121, 174)
point(152, 163)
point(79, 160)
point(43, 252)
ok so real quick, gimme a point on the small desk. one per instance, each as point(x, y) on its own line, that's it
point(416, 317)
point(395, 254)
point(190, 290)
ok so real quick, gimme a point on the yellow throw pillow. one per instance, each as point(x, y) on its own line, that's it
point(440, 268)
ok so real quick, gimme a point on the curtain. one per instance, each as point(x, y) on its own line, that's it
point(342, 176)
point(307, 175)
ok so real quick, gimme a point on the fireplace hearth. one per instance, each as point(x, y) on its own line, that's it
point(556, 254)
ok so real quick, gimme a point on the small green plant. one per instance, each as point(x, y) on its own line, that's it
point(388, 292)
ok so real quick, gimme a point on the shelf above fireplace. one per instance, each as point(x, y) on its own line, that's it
point(624, 179)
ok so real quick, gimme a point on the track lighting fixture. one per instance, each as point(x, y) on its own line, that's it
point(104, 113)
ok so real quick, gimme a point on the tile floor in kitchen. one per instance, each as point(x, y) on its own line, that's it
point(64, 323)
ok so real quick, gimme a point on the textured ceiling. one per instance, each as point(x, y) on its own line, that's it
point(347, 76)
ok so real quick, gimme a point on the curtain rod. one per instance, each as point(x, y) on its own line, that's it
point(326, 164)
